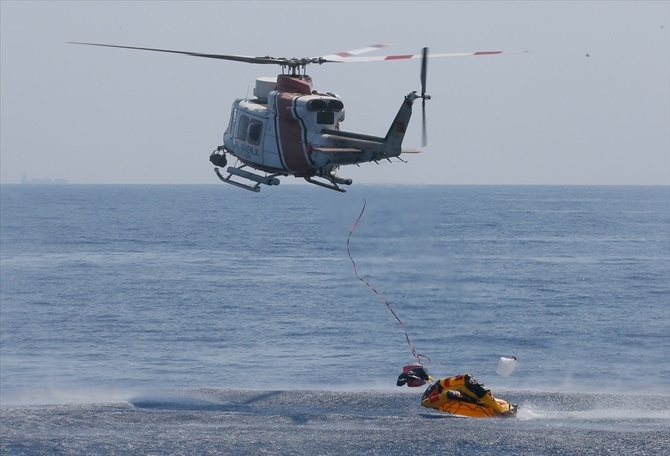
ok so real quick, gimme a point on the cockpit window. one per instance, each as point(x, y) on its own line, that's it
point(242, 128)
point(255, 131)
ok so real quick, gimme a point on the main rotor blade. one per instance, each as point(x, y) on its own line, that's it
point(354, 52)
point(294, 63)
point(417, 56)
point(237, 58)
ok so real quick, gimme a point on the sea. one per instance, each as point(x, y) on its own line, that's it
point(208, 320)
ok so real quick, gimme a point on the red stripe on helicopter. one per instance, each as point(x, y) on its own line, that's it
point(398, 57)
point(290, 135)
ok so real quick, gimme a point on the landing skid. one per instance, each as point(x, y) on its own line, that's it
point(266, 180)
point(331, 183)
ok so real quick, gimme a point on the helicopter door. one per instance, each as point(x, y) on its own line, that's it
point(250, 138)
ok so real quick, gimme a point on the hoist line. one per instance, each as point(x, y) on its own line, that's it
point(417, 356)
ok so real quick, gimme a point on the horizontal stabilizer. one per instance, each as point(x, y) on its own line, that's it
point(410, 151)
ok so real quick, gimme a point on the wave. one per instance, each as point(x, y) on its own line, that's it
point(533, 405)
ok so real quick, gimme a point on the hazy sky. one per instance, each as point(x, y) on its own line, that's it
point(590, 103)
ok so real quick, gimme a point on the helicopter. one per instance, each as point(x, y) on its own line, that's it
point(290, 129)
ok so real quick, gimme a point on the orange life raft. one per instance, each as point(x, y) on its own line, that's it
point(463, 395)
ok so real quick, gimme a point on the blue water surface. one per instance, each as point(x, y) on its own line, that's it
point(208, 305)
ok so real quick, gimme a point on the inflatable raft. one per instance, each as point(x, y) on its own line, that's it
point(463, 395)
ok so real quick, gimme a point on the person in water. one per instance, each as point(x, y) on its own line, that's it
point(459, 395)
point(464, 388)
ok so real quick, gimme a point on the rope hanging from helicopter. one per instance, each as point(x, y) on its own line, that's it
point(417, 356)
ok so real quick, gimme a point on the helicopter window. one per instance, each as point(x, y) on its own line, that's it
point(242, 128)
point(325, 117)
point(255, 130)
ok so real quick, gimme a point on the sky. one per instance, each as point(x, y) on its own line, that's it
point(588, 104)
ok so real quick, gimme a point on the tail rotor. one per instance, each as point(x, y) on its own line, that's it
point(424, 96)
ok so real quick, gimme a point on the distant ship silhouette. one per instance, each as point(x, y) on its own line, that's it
point(25, 180)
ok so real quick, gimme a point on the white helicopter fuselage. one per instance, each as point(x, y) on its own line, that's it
point(289, 129)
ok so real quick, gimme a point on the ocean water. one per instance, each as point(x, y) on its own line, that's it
point(209, 320)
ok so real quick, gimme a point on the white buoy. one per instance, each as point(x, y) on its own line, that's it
point(506, 366)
